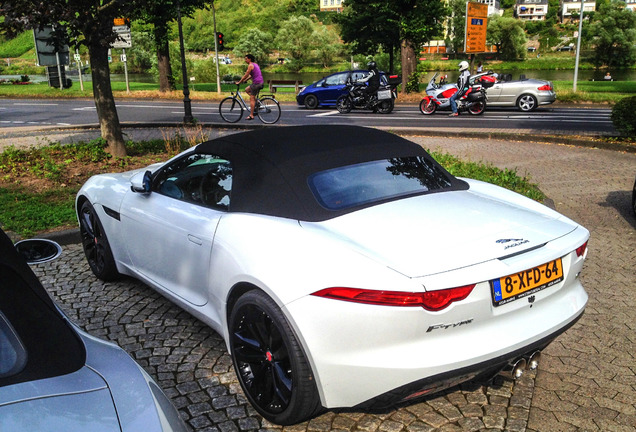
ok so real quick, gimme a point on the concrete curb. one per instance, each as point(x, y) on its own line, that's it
point(583, 141)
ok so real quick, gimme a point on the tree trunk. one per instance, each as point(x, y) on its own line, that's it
point(409, 62)
point(104, 100)
point(166, 80)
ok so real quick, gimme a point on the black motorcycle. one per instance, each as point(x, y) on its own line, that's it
point(382, 101)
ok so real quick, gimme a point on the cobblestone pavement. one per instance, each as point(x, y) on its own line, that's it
point(586, 380)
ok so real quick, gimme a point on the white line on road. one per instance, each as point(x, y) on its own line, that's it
point(35, 104)
point(324, 114)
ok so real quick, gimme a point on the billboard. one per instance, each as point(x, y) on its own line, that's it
point(476, 25)
point(47, 46)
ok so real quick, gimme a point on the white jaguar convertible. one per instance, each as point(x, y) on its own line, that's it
point(343, 266)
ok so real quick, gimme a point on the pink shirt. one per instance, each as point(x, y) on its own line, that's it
point(257, 76)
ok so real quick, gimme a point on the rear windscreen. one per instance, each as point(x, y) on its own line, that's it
point(364, 183)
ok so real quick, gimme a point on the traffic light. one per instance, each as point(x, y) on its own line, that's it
point(219, 41)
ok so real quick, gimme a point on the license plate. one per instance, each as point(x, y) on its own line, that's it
point(525, 283)
point(384, 94)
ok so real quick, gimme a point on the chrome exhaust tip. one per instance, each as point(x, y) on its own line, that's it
point(515, 370)
point(533, 360)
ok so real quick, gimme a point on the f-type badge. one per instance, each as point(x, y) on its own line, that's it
point(515, 242)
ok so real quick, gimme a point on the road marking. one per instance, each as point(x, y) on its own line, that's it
point(35, 104)
point(324, 114)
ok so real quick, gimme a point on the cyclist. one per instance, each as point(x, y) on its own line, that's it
point(253, 72)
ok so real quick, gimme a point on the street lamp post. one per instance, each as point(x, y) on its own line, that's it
point(187, 106)
point(578, 48)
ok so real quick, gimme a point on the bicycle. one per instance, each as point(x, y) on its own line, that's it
point(267, 108)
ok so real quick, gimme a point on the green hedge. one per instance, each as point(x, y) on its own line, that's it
point(624, 116)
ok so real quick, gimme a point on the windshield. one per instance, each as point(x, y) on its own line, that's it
point(364, 183)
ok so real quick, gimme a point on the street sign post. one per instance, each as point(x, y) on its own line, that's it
point(476, 25)
point(121, 26)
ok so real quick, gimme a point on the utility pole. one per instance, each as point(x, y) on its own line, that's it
point(578, 48)
point(187, 106)
point(216, 51)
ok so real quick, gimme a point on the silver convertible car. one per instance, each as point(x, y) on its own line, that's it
point(343, 266)
point(525, 93)
point(55, 377)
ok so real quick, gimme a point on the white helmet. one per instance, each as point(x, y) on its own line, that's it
point(463, 66)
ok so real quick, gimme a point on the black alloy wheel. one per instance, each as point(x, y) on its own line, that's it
point(96, 247)
point(269, 362)
point(311, 102)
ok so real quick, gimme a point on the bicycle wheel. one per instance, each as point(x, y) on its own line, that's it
point(268, 110)
point(231, 110)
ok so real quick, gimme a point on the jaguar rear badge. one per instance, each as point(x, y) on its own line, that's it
point(513, 242)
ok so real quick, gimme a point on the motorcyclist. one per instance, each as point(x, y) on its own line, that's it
point(462, 82)
point(372, 79)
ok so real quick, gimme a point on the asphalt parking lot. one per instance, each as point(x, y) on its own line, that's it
point(587, 378)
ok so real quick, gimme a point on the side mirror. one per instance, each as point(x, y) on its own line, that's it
point(141, 182)
point(37, 251)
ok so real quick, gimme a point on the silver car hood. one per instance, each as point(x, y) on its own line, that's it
point(436, 233)
point(110, 393)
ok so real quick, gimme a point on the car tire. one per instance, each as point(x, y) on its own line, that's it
point(269, 361)
point(344, 104)
point(527, 102)
point(311, 102)
point(95, 243)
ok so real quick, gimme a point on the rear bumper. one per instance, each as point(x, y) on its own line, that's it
point(546, 98)
point(443, 381)
point(364, 355)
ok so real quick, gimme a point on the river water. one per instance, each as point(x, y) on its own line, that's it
point(308, 78)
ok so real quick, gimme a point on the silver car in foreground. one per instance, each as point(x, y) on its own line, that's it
point(54, 377)
point(526, 93)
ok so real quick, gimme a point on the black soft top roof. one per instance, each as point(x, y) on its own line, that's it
point(270, 166)
point(53, 348)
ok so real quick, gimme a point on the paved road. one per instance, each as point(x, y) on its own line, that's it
point(557, 119)
point(587, 379)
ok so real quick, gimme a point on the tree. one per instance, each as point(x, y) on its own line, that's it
point(159, 13)
point(508, 36)
point(404, 23)
point(328, 45)
point(457, 24)
point(613, 31)
point(296, 36)
point(366, 27)
point(255, 42)
point(85, 22)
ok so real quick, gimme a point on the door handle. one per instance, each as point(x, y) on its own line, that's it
point(195, 240)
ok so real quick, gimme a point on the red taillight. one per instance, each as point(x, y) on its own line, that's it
point(430, 300)
point(581, 250)
point(546, 87)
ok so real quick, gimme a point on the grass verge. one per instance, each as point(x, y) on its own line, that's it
point(38, 186)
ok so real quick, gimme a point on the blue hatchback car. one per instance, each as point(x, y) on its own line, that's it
point(326, 91)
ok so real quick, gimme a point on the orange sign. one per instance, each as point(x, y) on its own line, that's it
point(121, 21)
point(476, 25)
